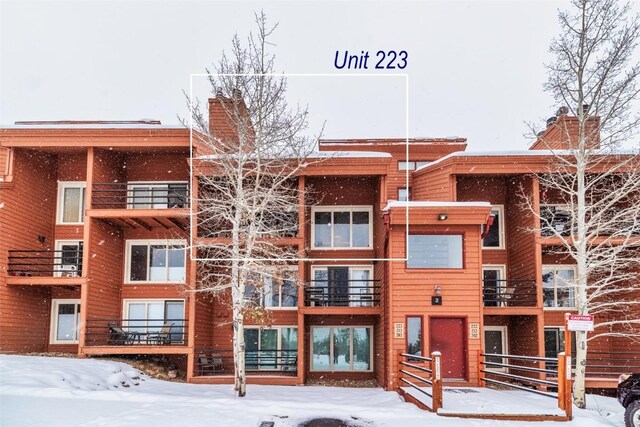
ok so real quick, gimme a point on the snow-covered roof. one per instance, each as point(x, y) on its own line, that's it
point(94, 126)
point(515, 153)
point(316, 155)
point(433, 204)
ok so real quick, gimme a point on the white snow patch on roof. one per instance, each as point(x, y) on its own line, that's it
point(94, 126)
point(532, 153)
point(432, 204)
point(314, 155)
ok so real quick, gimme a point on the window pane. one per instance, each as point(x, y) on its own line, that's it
point(138, 269)
point(176, 261)
point(320, 360)
point(341, 226)
point(158, 263)
point(141, 198)
point(270, 292)
point(361, 349)
point(414, 335)
point(268, 348)
point(174, 313)
point(322, 229)
point(492, 239)
point(71, 204)
point(66, 322)
point(434, 251)
point(289, 290)
point(360, 288)
point(137, 315)
point(403, 166)
point(360, 229)
point(251, 339)
point(341, 349)
point(548, 292)
point(493, 344)
point(491, 288)
point(551, 343)
point(289, 339)
point(403, 194)
point(155, 314)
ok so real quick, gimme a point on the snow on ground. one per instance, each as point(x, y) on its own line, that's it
point(46, 391)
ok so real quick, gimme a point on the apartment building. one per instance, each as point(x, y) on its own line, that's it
point(440, 254)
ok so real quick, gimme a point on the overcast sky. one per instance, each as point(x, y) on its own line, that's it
point(475, 68)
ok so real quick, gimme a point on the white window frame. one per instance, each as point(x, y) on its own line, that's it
point(53, 330)
point(411, 165)
point(280, 307)
point(132, 185)
point(62, 185)
point(505, 344)
point(501, 231)
point(555, 285)
point(354, 300)
point(345, 208)
point(149, 242)
point(351, 328)
point(279, 345)
point(128, 301)
point(58, 246)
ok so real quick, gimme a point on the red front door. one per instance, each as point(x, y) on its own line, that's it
point(447, 335)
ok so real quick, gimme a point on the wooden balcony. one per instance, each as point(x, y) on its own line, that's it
point(136, 336)
point(146, 206)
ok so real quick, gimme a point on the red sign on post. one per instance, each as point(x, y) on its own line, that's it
point(576, 322)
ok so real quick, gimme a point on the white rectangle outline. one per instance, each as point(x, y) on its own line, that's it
point(191, 236)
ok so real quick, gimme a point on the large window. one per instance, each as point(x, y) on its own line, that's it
point(71, 200)
point(337, 286)
point(152, 195)
point(555, 219)
point(342, 227)
point(276, 289)
point(155, 261)
point(558, 286)
point(148, 317)
point(495, 236)
point(341, 348)
point(271, 349)
point(434, 251)
point(65, 317)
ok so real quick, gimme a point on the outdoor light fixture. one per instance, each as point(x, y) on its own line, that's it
point(437, 290)
point(41, 239)
point(442, 217)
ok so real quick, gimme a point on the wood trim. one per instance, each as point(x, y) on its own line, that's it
point(46, 281)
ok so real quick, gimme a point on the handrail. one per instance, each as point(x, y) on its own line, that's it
point(434, 379)
point(149, 195)
point(507, 378)
point(509, 293)
point(43, 263)
point(215, 361)
point(365, 293)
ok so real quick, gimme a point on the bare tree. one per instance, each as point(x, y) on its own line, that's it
point(595, 171)
point(248, 170)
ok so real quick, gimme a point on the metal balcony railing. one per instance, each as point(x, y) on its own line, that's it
point(220, 362)
point(152, 195)
point(61, 263)
point(342, 293)
point(509, 293)
point(123, 332)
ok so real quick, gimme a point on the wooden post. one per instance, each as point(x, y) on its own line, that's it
point(437, 380)
point(561, 381)
point(480, 365)
point(568, 383)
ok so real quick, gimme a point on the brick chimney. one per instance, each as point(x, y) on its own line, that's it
point(227, 115)
point(562, 132)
